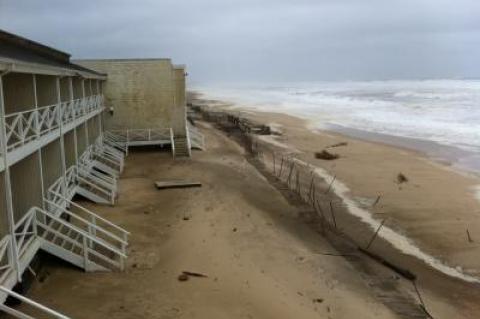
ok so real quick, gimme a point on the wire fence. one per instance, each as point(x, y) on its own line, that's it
point(316, 189)
point(299, 176)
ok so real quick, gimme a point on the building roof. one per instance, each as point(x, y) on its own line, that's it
point(15, 49)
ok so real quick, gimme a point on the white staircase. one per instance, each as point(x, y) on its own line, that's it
point(84, 239)
point(97, 172)
point(66, 230)
point(115, 141)
point(96, 186)
point(197, 140)
point(107, 160)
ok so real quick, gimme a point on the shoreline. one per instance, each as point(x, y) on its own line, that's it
point(460, 160)
point(463, 161)
point(436, 277)
point(450, 251)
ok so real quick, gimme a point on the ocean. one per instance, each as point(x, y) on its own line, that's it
point(446, 112)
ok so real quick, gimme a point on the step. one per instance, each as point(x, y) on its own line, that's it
point(74, 258)
point(105, 168)
point(81, 190)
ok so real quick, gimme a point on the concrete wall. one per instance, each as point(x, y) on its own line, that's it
point(18, 92)
point(77, 88)
point(46, 90)
point(65, 89)
point(81, 139)
point(178, 126)
point(51, 163)
point(26, 185)
point(69, 141)
point(142, 93)
point(92, 130)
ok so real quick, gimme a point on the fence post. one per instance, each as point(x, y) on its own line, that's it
point(85, 253)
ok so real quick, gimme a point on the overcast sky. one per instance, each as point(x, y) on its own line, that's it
point(265, 40)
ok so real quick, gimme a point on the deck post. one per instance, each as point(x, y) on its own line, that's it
point(8, 186)
point(38, 131)
point(86, 122)
point(70, 92)
point(62, 142)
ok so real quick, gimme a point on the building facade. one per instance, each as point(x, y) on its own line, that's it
point(146, 101)
point(52, 147)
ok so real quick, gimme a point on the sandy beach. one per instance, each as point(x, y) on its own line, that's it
point(261, 260)
point(433, 209)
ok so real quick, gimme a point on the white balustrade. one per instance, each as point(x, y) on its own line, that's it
point(27, 126)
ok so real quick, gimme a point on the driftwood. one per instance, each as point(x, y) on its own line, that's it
point(176, 184)
point(326, 155)
point(470, 240)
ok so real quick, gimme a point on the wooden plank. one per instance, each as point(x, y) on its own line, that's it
point(176, 184)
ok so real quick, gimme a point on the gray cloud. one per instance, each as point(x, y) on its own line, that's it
point(265, 39)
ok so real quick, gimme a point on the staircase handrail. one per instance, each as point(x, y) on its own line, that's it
point(92, 214)
point(106, 192)
point(78, 230)
point(30, 302)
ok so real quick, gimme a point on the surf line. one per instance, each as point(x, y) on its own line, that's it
point(399, 241)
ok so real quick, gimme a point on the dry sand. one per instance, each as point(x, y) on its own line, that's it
point(261, 260)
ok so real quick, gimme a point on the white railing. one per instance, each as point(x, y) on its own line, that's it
point(138, 136)
point(26, 126)
point(18, 314)
point(172, 142)
point(6, 258)
point(99, 154)
point(197, 140)
point(64, 185)
point(25, 232)
point(79, 238)
point(116, 141)
point(96, 225)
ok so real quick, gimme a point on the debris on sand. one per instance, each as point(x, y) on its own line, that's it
point(318, 300)
point(176, 184)
point(401, 178)
point(182, 277)
point(185, 275)
point(337, 145)
point(470, 240)
point(326, 155)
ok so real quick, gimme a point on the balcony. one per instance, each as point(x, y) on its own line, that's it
point(27, 131)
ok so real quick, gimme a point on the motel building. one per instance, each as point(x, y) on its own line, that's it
point(65, 129)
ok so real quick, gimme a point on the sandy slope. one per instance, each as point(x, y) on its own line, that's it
point(261, 261)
